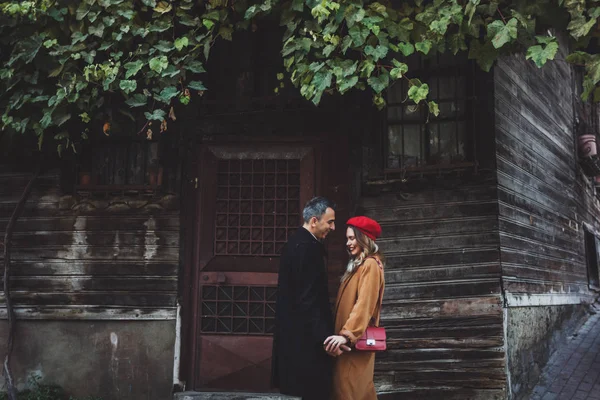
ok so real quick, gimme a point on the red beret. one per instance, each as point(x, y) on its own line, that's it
point(366, 225)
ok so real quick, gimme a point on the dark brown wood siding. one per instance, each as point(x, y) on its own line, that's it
point(543, 197)
point(91, 257)
point(442, 305)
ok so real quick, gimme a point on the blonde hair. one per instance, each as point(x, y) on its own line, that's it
point(369, 249)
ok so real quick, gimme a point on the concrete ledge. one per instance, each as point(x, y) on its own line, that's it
point(231, 396)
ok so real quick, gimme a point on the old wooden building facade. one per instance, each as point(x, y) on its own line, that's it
point(153, 269)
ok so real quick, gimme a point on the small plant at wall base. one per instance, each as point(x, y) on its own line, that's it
point(40, 391)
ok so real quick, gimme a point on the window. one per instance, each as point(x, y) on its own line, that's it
point(592, 247)
point(120, 164)
point(415, 138)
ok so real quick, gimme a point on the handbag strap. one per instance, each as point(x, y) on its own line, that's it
point(380, 300)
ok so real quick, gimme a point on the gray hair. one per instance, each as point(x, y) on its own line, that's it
point(316, 207)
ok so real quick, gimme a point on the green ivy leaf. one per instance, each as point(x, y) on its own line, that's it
point(423, 46)
point(377, 53)
point(418, 91)
point(347, 84)
point(158, 64)
point(137, 100)
point(181, 43)
point(195, 66)
point(406, 48)
point(132, 68)
point(379, 83)
point(156, 115)
point(164, 46)
point(163, 7)
point(167, 94)
point(128, 86)
point(501, 33)
point(539, 55)
point(196, 85)
point(433, 108)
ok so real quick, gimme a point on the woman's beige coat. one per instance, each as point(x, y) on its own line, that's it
point(357, 303)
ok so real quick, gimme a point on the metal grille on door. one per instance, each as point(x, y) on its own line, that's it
point(257, 206)
point(238, 309)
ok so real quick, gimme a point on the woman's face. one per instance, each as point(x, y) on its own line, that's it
point(351, 243)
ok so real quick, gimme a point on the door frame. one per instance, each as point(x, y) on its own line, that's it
point(196, 202)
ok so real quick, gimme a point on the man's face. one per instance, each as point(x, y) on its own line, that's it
point(322, 227)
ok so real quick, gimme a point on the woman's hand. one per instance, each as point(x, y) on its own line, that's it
point(332, 343)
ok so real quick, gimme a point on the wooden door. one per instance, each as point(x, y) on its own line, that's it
point(250, 202)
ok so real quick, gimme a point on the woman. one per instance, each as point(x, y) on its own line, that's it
point(357, 306)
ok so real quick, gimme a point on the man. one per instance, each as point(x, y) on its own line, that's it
point(303, 319)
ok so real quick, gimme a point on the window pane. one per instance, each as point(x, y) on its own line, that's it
point(417, 138)
point(433, 85)
point(412, 112)
point(413, 152)
point(462, 138)
point(394, 113)
point(447, 141)
point(447, 88)
point(395, 93)
point(394, 145)
point(434, 142)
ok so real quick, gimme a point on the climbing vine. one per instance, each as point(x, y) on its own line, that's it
point(68, 65)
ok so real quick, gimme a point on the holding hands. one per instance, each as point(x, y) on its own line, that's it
point(335, 345)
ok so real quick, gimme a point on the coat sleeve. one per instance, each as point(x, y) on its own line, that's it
point(312, 300)
point(369, 284)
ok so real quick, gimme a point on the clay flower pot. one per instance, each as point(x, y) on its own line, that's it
point(85, 178)
point(587, 145)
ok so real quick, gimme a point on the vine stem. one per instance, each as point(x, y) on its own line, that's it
point(501, 15)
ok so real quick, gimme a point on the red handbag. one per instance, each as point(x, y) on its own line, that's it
point(374, 338)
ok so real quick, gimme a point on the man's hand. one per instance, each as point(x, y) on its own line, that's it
point(332, 343)
point(343, 349)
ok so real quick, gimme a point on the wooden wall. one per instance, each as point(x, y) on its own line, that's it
point(543, 196)
point(442, 305)
point(77, 257)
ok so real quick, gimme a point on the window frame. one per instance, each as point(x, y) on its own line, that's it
point(425, 72)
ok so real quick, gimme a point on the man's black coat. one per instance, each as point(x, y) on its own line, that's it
point(303, 320)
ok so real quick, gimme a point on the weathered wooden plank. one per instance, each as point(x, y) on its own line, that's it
point(540, 261)
point(539, 286)
point(532, 187)
point(440, 322)
point(445, 342)
point(91, 313)
point(509, 241)
point(452, 332)
point(440, 226)
point(433, 211)
point(55, 284)
point(537, 234)
point(441, 308)
point(450, 272)
point(105, 238)
point(94, 268)
point(443, 258)
point(85, 253)
point(520, 271)
point(436, 393)
point(428, 243)
point(547, 221)
point(431, 290)
point(163, 222)
point(462, 194)
point(105, 299)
